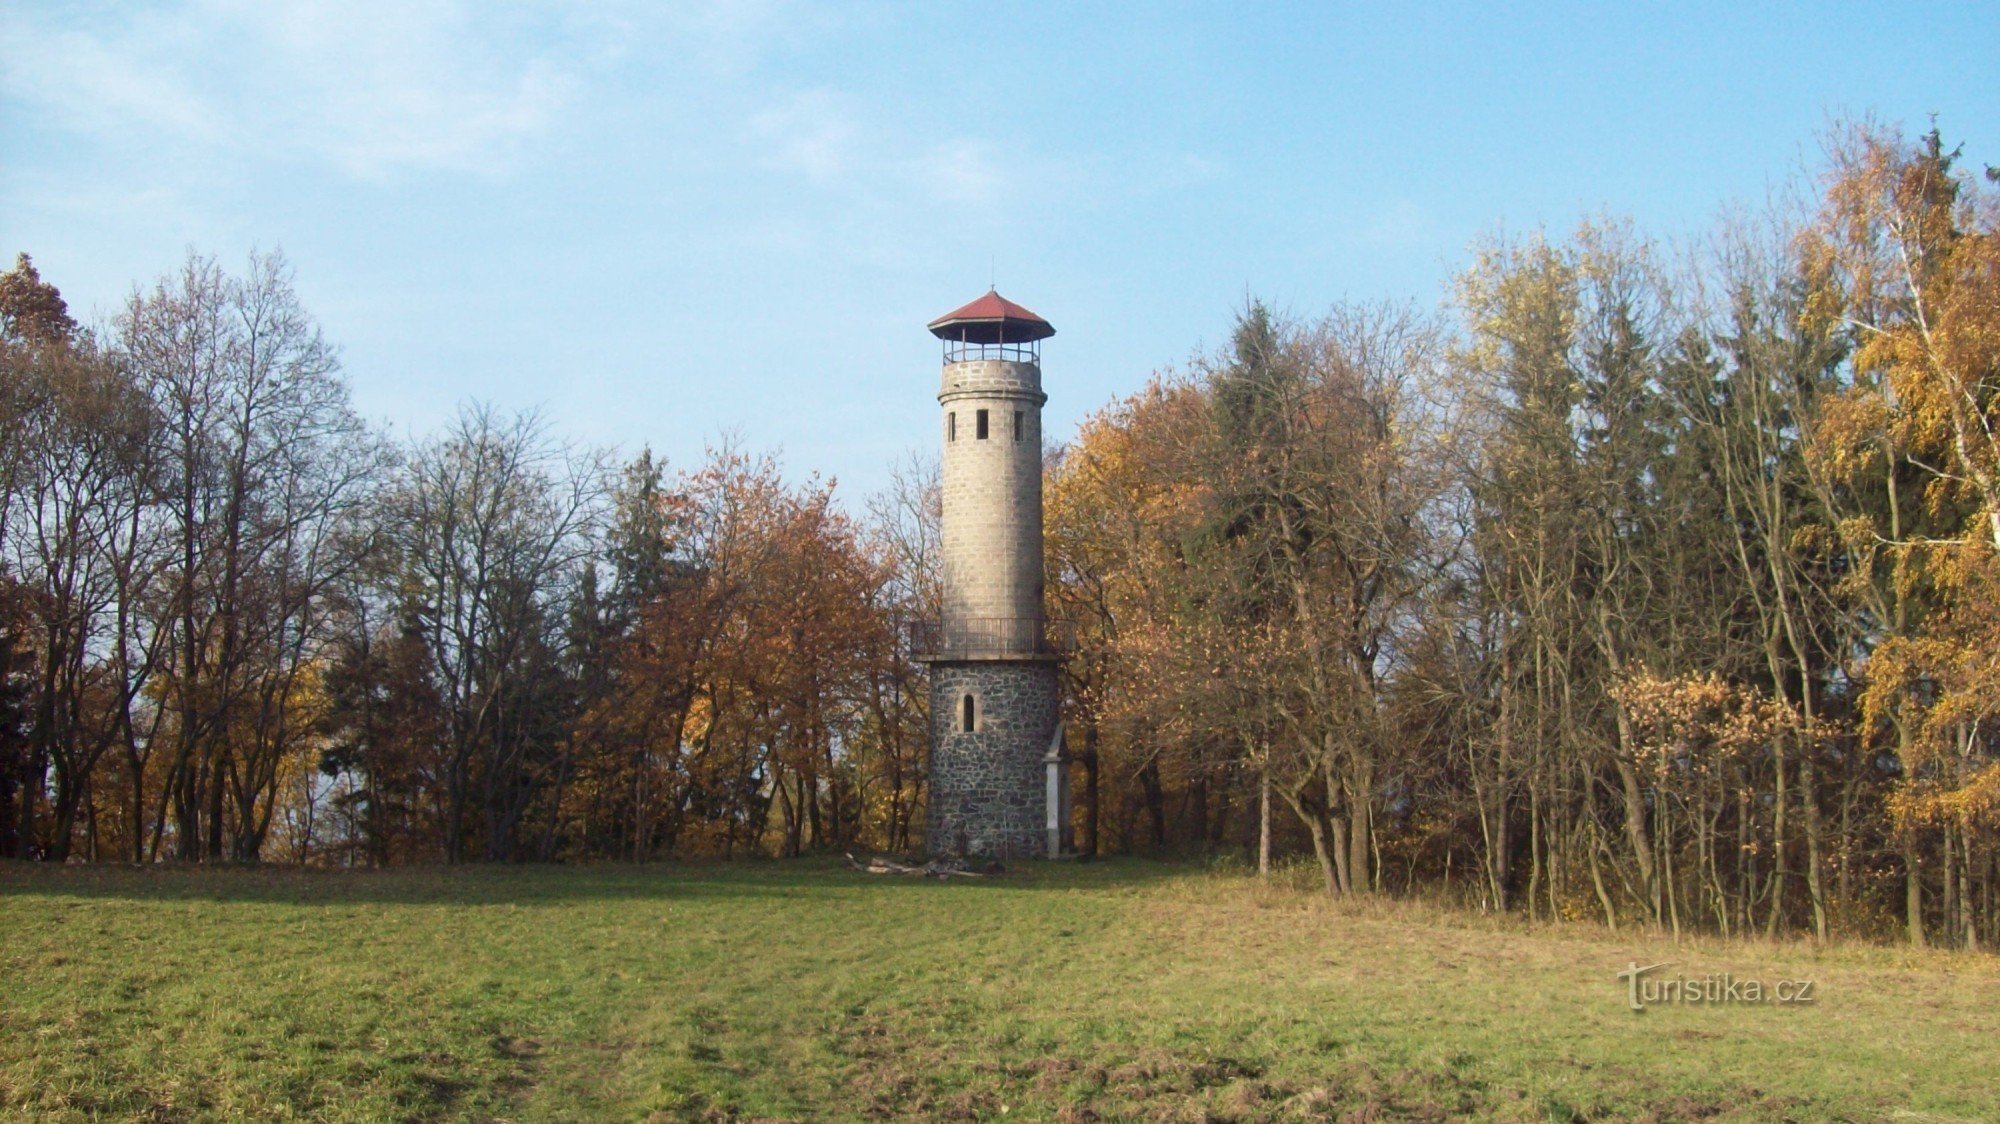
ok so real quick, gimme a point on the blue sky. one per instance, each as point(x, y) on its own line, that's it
point(662, 222)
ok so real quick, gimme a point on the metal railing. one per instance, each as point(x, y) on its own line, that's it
point(977, 637)
point(959, 351)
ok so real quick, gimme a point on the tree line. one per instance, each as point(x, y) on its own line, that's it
point(1647, 583)
point(236, 623)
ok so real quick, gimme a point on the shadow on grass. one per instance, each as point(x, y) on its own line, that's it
point(527, 884)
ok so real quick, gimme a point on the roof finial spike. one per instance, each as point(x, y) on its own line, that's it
point(992, 273)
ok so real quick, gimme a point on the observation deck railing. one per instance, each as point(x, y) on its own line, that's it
point(984, 637)
point(959, 351)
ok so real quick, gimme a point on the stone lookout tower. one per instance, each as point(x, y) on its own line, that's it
point(998, 771)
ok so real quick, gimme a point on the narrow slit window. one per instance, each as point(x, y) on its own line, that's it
point(951, 426)
point(1017, 425)
point(965, 715)
point(981, 419)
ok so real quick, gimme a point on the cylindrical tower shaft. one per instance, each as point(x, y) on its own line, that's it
point(992, 495)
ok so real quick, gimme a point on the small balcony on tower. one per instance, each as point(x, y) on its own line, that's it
point(992, 327)
point(992, 638)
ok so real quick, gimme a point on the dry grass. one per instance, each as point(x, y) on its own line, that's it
point(1122, 990)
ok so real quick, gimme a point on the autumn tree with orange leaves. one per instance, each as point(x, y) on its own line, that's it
point(1906, 256)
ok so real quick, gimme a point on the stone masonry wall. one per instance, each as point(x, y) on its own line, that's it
point(987, 794)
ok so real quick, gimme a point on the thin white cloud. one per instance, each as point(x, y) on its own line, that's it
point(828, 137)
point(1402, 223)
point(201, 95)
point(377, 87)
point(729, 38)
point(370, 87)
point(812, 133)
point(373, 89)
point(964, 170)
point(85, 82)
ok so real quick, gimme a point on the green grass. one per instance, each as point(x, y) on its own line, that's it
point(1116, 990)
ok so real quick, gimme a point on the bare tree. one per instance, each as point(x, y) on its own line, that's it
point(262, 465)
point(82, 548)
point(487, 522)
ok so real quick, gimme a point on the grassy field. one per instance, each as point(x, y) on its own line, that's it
point(1116, 990)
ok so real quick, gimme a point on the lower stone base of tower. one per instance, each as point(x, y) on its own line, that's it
point(988, 787)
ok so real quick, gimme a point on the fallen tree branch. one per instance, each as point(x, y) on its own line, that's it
point(936, 868)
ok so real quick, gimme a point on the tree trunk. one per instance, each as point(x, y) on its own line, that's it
point(1156, 803)
point(1913, 891)
point(1779, 800)
point(1361, 830)
point(1264, 823)
point(1090, 811)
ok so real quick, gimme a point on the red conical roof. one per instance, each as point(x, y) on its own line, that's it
point(991, 319)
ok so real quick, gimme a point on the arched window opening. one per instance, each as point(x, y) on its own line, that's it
point(965, 715)
point(1017, 425)
point(982, 425)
